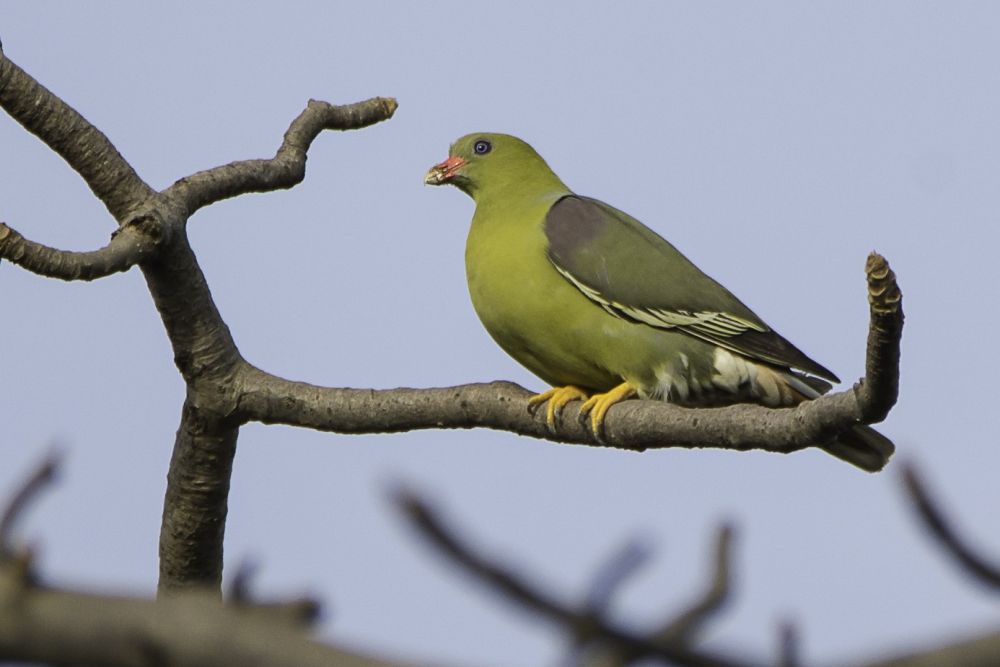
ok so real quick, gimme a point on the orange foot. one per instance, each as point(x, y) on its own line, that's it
point(557, 398)
point(597, 406)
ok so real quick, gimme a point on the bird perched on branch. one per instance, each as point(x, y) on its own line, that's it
point(602, 308)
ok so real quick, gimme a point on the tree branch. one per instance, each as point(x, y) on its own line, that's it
point(610, 578)
point(39, 624)
point(128, 246)
point(301, 612)
point(65, 131)
point(635, 425)
point(196, 503)
point(583, 624)
point(979, 651)
point(288, 167)
point(60, 627)
point(683, 628)
point(945, 534)
point(880, 386)
point(625, 646)
point(194, 510)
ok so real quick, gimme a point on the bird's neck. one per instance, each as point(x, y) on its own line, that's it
point(518, 190)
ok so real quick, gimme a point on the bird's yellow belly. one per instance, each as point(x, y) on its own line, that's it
point(535, 315)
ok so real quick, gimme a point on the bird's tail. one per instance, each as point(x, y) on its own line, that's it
point(863, 447)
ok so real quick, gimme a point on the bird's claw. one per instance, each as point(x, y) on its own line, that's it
point(596, 408)
point(556, 399)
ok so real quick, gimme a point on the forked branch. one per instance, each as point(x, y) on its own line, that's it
point(224, 391)
point(288, 167)
point(583, 623)
point(672, 643)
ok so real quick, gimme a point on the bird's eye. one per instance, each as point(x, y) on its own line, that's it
point(482, 147)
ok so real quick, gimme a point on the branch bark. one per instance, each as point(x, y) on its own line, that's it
point(129, 246)
point(880, 387)
point(84, 147)
point(58, 627)
point(979, 651)
point(42, 624)
point(288, 167)
point(196, 504)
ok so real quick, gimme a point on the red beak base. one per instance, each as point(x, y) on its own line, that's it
point(441, 173)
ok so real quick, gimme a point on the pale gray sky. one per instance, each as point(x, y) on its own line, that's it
point(775, 144)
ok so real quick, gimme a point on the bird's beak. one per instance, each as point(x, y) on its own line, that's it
point(441, 173)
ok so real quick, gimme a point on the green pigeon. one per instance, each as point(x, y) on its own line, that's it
point(604, 309)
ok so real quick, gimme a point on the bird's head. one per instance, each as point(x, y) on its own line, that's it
point(485, 162)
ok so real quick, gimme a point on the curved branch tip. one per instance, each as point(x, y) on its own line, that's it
point(287, 168)
point(944, 532)
point(30, 489)
point(883, 291)
point(389, 105)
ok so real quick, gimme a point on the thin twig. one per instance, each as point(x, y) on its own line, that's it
point(687, 624)
point(788, 645)
point(239, 585)
point(682, 628)
point(608, 580)
point(945, 534)
point(303, 612)
point(29, 491)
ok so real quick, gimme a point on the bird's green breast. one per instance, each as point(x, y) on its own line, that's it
point(535, 314)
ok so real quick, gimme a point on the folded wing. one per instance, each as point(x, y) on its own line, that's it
point(635, 274)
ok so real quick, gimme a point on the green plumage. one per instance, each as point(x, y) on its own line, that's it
point(584, 295)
